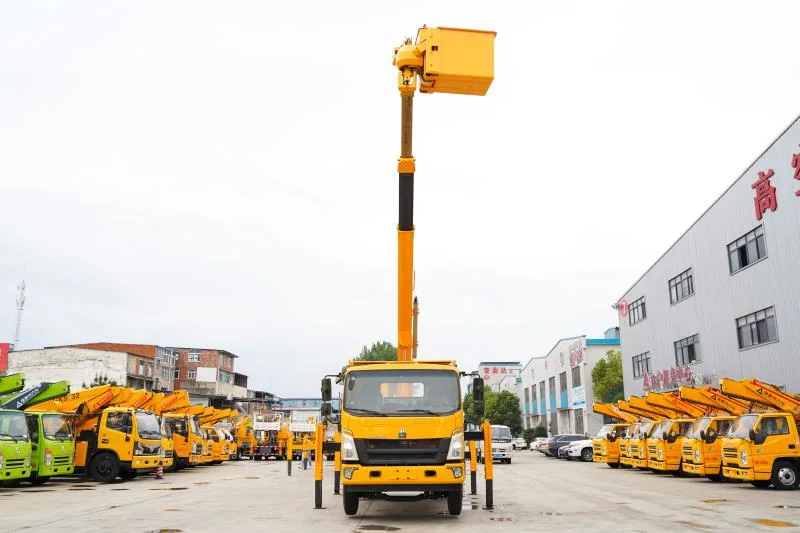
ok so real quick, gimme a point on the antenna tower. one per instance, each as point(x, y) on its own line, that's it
point(20, 305)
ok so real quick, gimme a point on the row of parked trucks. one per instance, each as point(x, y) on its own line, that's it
point(745, 430)
point(107, 432)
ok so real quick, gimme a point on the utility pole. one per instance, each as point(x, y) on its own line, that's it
point(20, 305)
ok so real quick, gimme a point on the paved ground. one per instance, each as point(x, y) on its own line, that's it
point(534, 493)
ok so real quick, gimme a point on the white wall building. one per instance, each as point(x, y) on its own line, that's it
point(724, 300)
point(79, 366)
point(556, 389)
point(493, 373)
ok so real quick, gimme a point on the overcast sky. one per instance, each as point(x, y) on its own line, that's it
point(224, 174)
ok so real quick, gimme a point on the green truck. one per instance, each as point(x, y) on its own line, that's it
point(34, 446)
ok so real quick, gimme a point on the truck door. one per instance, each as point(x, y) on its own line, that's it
point(778, 441)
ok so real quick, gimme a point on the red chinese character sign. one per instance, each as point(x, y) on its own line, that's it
point(765, 194)
point(575, 354)
point(796, 167)
point(3, 356)
point(623, 308)
point(668, 379)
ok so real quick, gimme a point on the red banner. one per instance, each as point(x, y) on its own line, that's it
point(3, 356)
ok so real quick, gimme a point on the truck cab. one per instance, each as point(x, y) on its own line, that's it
point(15, 446)
point(638, 444)
point(625, 457)
point(402, 429)
point(167, 447)
point(702, 446)
point(502, 445)
point(120, 442)
point(186, 438)
point(763, 448)
point(665, 445)
point(53, 446)
point(605, 444)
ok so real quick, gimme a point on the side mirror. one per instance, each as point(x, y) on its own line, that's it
point(703, 435)
point(477, 406)
point(753, 435)
point(326, 389)
point(477, 390)
point(326, 410)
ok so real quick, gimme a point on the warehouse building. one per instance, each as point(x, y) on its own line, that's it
point(556, 389)
point(724, 300)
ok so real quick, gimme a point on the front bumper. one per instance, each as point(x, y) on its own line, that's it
point(639, 463)
point(602, 459)
point(743, 474)
point(400, 477)
point(140, 462)
point(694, 469)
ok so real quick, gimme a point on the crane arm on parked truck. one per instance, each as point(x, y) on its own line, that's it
point(626, 407)
point(612, 411)
point(714, 399)
point(11, 383)
point(641, 404)
point(670, 400)
point(762, 393)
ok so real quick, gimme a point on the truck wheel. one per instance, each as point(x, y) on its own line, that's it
point(586, 455)
point(613, 465)
point(714, 477)
point(350, 502)
point(38, 480)
point(128, 474)
point(455, 500)
point(761, 483)
point(104, 467)
point(785, 475)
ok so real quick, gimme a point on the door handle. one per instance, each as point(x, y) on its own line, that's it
point(104, 441)
point(791, 446)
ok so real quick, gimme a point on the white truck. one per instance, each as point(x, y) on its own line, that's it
point(502, 445)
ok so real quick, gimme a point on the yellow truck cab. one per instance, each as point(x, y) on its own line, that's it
point(167, 447)
point(763, 447)
point(638, 444)
point(118, 442)
point(625, 451)
point(605, 445)
point(702, 446)
point(186, 438)
point(206, 457)
point(402, 429)
point(664, 447)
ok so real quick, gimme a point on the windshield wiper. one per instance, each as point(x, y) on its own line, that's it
point(366, 411)
point(426, 411)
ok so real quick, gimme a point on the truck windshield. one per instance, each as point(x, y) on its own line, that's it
point(699, 425)
point(501, 434)
point(658, 432)
point(56, 427)
point(166, 428)
point(402, 392)
point(683, 428)
point(742, 426)
point(632, 431)
point(604, 430)
point(148, 426)
point(13, 426)
point(644, 430)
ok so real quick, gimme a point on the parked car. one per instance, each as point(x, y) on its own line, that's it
point(562, 452)
point(536, 443)
point(580, 449)
point(518, 444)
point(558, 441)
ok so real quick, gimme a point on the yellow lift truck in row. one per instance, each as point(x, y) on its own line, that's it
point(637, 437)
point(763, 447)
point(665, 445)
point(702, 446)
point(606, 443)
point(402, 422)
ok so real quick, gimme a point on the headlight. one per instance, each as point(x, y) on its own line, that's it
point(456, 451)
point(604, 450)
point(696, 455)
point(28, 459)
point(48, 458)
point(163, 452)
point(743, 457)
point(660, 453)
point(1, 459)
point(138, 449)
point(349, 452)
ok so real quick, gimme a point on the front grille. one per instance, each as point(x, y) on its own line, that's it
point(634, 449)
point(15, 463)
point(150, 449)
point(62, 460)
point(687, 450)
point(729, 453)
point(652, 450)
point(168, 453)
point(597, 448)
point(405, 452)
point(197, 449)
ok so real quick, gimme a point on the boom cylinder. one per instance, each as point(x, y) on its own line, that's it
point(405, 232)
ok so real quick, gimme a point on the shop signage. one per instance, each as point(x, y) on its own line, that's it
point(575, 353)
point(3, 356)
point(670, 378)
point(578, 398)
point(766, 198)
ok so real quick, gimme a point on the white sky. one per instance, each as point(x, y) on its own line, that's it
point(224, 174)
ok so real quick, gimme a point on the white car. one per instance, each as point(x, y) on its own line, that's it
point(536, 442)
point(518, 444)
point(581, 449)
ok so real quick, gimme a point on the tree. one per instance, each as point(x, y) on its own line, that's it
point(607, 378)
point(100, 379)
point(379, 351)
point(503, 409)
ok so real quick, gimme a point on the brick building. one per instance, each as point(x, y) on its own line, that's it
point(149, 367)
point(209, 373)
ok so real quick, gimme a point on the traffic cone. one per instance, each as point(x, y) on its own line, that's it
point(160, 472)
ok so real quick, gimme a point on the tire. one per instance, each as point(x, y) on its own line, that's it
point(455, 500)
point(717, 478)
point(38, 480)
point(350, 502)
point(587, 454)
point(679, 471)
point(761, 483)
point(128, 474)
point(785, 475)
point(104, 467)
point(508, 461)
point(613, 465)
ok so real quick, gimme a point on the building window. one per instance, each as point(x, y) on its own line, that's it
point(757, 328)
point(579, 421)
point(681, 286)
point(164, 373)
point(225, 360)
point(194, 357)
point(637, 311)
point(177, 373)
point(747, 249)
point(527, 398)
point(576, 376)
point(191, 374)
point(641, 365)
point(225, 377)
point(687, 350)
point(562, 378)
point(140, 368)
point(533, 394)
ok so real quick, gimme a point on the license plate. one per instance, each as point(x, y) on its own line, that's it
point(497, 456)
